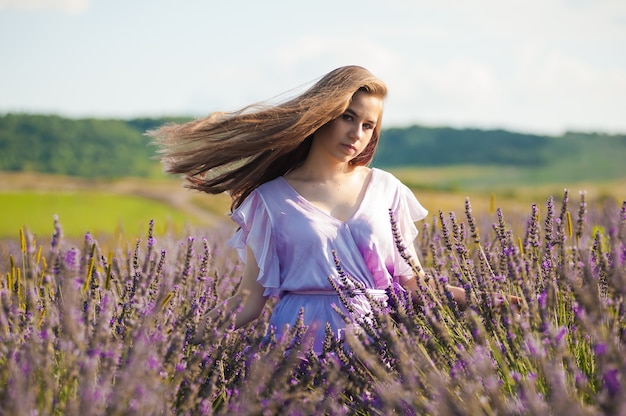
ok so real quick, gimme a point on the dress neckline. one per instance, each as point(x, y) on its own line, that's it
point(363, 195)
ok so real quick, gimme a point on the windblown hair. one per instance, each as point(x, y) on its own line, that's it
point(238, 151)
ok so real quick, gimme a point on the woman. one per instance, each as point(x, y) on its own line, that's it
point(302, 193)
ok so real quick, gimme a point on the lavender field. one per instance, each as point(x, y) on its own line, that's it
point(88, 331)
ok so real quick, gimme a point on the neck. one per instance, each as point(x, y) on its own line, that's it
point(323, 171)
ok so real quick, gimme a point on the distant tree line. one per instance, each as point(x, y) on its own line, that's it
point(88, 148)
point(437, 146)
point(116, 148)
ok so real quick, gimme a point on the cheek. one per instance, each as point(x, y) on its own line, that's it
point(371, 142)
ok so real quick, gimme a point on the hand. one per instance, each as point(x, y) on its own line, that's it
point(500, 299)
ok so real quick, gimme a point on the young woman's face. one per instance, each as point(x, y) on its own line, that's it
point(345, 137)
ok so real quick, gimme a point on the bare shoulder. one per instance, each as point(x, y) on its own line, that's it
point(296, 175)
point(362, 171)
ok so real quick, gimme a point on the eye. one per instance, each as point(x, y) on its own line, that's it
point(368, 126)
point(346, 117)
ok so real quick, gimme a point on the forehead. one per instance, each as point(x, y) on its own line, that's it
point(366, 105)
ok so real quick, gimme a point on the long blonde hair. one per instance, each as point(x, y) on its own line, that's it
point(238, 151)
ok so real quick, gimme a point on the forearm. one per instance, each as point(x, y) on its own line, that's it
point(249, 300)
point(411, 284)
point(245, 310)
point(498, 299)
point(458, 293)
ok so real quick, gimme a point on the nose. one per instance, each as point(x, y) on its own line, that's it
point(356, 132)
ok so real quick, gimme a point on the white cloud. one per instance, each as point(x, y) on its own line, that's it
point(67, 6)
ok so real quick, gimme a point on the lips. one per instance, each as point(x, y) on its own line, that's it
point(349, 147)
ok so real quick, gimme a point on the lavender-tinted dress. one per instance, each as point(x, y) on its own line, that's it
point(293, 242)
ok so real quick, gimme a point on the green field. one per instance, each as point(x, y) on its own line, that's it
point(126, 206)
point(80, 212)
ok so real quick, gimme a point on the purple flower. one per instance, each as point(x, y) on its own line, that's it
point(508, 251)
point(600, 349)
point(153, 362)
point(581, 379)
point(206, 406)
point(25, 366)
point(611, 382)
point(58, 232)
point(542, 299)
point(94, 352)
point(535, 348)
point(70, 258)
point(578, 310)
point(559, 336)
point(43, 334)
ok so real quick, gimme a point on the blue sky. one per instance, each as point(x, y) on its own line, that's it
point(542, 66)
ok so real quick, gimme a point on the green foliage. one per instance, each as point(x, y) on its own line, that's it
point(89, 148)
point(447, 146)
point(574, 156)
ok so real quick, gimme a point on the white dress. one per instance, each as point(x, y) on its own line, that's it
point(293, 242)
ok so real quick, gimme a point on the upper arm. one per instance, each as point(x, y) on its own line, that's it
point(250, 272)
point(250, 290)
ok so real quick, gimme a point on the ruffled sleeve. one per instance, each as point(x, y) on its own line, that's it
point(410, 211)
point(407, 211)
point(256, 232)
